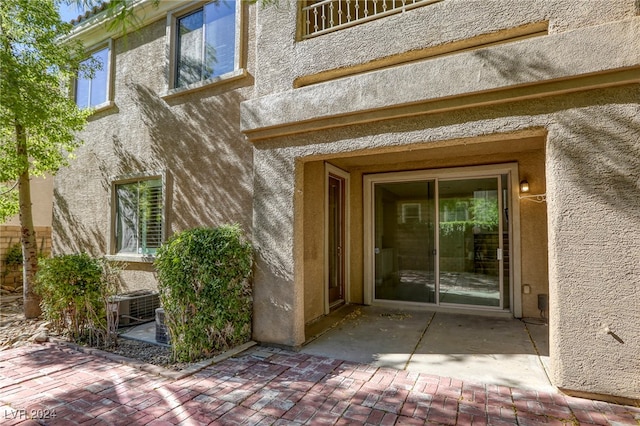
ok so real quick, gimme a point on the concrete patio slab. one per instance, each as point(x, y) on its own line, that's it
point(493, 350)
point(490, 350)
point(143, 332)
point(377, 336)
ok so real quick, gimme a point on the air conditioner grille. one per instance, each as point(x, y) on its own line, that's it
point(137, 307)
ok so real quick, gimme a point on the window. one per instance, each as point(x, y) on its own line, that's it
point(205, 44)
point(93, 90)
point(139, 214)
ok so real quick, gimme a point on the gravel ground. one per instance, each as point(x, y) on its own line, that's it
point(146, 352)
point(16, 331)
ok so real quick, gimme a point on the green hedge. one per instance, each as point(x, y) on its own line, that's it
point(205, 291)
point(71, 290)
point(74, 289)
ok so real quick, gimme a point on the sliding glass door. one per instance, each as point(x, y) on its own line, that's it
point(470, 249)
point(441, 240)
point(405, 241)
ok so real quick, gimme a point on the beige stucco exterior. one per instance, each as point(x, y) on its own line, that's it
point(41, 195)
point(550, 87)
point(559, 101)
point(42, 205)
point(191, 139)
point(527, 152)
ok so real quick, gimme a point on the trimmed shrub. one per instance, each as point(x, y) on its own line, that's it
point(205, 291)
point(13, 257)
point(74, 289)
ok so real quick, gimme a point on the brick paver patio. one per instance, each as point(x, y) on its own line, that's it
point(53, 385)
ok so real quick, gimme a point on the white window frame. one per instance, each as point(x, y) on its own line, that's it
point(108, 103)
point(171, 41)
point(128, 179)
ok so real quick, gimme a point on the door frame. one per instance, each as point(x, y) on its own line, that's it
point(510, 169)
point(330, 169)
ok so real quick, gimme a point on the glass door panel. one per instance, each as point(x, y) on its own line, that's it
point(405, 241)
point(506, 246)
point(470, 246)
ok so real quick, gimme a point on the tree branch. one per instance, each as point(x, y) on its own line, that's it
point(10, 189)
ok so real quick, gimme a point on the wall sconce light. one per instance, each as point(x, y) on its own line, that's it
point(524, 189)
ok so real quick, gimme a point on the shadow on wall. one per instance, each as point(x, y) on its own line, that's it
point(199, 143)
point(602, 156)
point(594, 158)
point(72, 233)
point(516, 69)
point(605, 140)
point(597, 127)
point(274, 210)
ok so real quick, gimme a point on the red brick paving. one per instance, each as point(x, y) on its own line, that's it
point(269, 387)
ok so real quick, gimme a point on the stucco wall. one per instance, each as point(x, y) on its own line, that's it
point(576, 87)
point(592, 168)
point(314, 247)
point(533, 232)
point(277, 215)
point(589, 277)
point(450, 22)
point(527, 153)
point(192, 138)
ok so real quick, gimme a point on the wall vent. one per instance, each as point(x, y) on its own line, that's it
point(136, 307)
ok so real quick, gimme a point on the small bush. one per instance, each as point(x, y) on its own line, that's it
point(13, 257)
point(203, 276)
point(74, 289)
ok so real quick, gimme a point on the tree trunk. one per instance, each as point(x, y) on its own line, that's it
point(27, 235)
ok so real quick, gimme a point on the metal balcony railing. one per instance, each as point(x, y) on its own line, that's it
point(321, 17)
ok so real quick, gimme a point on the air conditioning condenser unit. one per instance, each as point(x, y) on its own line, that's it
point(136, 307)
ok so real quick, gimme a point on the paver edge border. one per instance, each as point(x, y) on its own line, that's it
point(154, 369)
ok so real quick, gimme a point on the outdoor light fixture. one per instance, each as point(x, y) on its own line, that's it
point(524, 189)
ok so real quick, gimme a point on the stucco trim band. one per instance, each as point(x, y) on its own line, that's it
point(526, 69)
point(537, 29)
point(515, 94)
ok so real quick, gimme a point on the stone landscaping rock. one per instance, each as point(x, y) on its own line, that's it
point(40, 337)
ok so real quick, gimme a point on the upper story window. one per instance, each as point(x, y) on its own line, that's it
point(92, 90)
point(324, 16)
point(139, 216)
point(206, 43)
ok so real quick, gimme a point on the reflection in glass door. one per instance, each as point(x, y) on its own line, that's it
point(470, 247)
point(405, 241)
